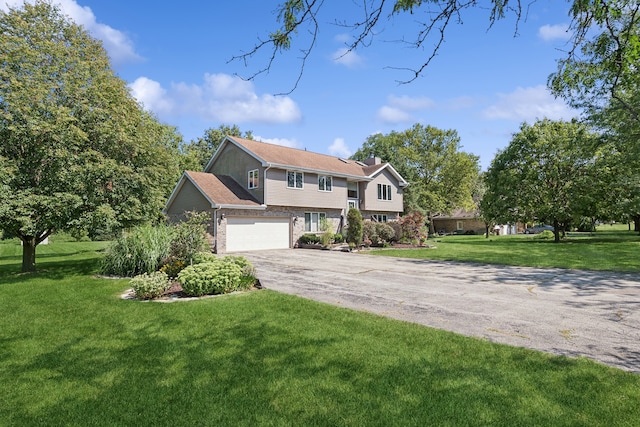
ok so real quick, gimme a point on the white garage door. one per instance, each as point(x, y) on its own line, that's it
point(247, 234)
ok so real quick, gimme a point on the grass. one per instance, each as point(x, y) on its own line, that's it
point(610, 249)
point(74, 353)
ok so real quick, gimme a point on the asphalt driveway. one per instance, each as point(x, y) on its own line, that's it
point(568, 312)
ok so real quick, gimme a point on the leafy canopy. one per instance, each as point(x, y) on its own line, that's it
point(76, 150)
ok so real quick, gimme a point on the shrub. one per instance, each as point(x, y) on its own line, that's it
point(309, 239)
point(141, 250)
point(354, 228)
point(338, 238)
point(202, 257)
point(326, 238)
point(248, 278)
point(189, 237)
point(211, 278)
point(172, 267)
point(545, 235)
point(150, 285)
point(385, 232)
point(412, 225)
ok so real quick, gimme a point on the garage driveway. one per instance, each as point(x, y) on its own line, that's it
point(568, 312)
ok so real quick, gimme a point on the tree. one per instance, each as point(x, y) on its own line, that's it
point(298, 24)
point(601, 69)
point(546, 174)
point(354, 227)
point(76, 150)
point(203, 148)
point(441, 177)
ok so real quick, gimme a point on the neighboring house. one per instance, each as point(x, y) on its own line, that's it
point(265, 196)
point(469, 222)
point(459, 222)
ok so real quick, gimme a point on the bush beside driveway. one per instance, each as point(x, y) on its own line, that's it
point(567, 312)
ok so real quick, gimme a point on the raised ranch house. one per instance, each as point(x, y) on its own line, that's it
point(265, 196)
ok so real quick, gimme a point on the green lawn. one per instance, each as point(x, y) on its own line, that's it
point(73, 353)
point(610, 248)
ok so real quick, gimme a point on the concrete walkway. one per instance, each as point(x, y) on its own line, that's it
point(568, 312)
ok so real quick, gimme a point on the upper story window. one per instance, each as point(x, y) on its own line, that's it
point(254, 179)
point(325, 183)
point(295, 179)
point(384, 192)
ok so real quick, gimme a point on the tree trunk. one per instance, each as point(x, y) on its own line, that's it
point(556, 231)
point(29, 254)
point(636, 223)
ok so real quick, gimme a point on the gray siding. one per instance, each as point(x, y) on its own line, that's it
point(236, 163)
point(189, 198)
point(371, 202)
point(279, 194)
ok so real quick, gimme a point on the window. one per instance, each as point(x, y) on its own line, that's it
point(254, 179)
point(294, 179)
point(352, 190)
point(312, 221)
point(324, 183)
point(384, 192)
point(379, 217)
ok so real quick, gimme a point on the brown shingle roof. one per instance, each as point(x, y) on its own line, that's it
point(222, 189)
point(302, 159)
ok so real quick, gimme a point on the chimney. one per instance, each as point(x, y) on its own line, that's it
point(372, 160)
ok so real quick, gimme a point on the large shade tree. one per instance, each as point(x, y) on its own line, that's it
point(546, 174)
point(203, 148)
point(76, 150)
point(441, 177)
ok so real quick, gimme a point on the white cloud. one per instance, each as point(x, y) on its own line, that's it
point(152, 96)
point(118, 45)
point(292, 143)
point(554, 32)
point(220, 98)
point(399, 108)
point(529, 104)
point(339, 149)
point(407, 103)
point(346, 57)
point(393, 115)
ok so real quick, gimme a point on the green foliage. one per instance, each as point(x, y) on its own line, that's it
point(309, 239)
point(211, 278)
point(354, 227)
point(545, 235)
point(326, 238)
point(150, 285)
point(338, 238)
point(172, 267)
point(440, 176)
point(210, 275)
point(378, 233)
point(77, 151)
point(203, 148)
point(546, 173)
point(189, 237)
point(141, 250)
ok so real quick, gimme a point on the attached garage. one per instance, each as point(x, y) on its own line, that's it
point(256, 233)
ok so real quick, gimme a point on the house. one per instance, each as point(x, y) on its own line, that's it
point(265, 196)
point(460, 221)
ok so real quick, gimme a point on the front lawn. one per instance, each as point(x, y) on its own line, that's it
point(74, 353)
point(612, 250)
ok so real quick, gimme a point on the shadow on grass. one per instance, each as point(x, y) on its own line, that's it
point(57, 268)
point(253, 372)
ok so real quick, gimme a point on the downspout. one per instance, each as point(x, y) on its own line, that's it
point(215, 229)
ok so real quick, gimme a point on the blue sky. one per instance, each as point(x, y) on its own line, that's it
point(484, 82)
